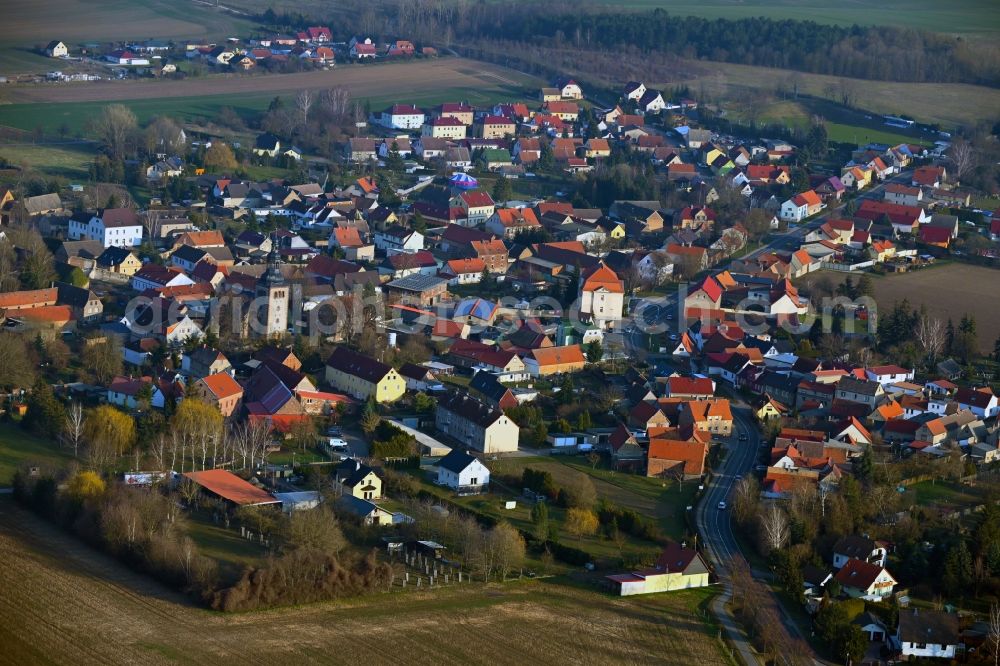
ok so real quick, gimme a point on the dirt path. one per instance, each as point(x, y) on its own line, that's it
point(363, 81)
point(63, 603)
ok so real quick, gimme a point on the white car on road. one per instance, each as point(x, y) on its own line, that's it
point(337, 443)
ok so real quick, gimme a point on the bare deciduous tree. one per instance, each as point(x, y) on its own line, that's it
point(930, 334)
point(115, 127)
point(73, 429)
point(963, 155)
point(994, 635)
point(773, 527)
point(304, 101)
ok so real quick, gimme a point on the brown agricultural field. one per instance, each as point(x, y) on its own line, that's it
point(362, 81)
point(945, 103)
point(952, 290)
point(62, 603)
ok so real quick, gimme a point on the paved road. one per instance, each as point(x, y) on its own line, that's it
point(714, 527)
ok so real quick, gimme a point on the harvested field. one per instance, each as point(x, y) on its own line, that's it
point(951, 291)
point(79, 607)
point(946, 103)
point(400, 79)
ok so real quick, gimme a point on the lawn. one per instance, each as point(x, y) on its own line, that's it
point(655, 498)
point(223, 545)
point(19, 448)
point(942, 493)
point(70, 160)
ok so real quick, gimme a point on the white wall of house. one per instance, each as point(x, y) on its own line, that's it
point(475, 474)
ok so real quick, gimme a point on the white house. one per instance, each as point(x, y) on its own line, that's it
point(476, 424)
point(980, 402)
point(853, 547)
point(362, 48)
point(864, 580)
point(463, 473)
point(635, 90)
point(602, 296)
point(155, 276)
point(888, 374)
point(402, 116)
point(651, 102)
point(125, 391)
point(928, 633)
point(113, 227)
point(398, 239)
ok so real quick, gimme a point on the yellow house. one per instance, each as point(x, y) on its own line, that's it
point(354, 478)
point(678, 568)
point(713, 154)
point(361, 376)
point(771, 409)
point(119, 260)
point(613, 228)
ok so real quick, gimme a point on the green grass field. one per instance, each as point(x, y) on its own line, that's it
point(849, 126)
point(942, 493)
point(19, 448)
point(75, 116)
point(70, 160)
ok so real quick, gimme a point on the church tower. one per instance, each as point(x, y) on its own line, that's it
point(273, 319)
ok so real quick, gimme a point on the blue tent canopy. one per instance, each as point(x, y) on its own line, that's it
point(464, 181)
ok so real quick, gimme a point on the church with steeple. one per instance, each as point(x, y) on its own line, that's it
point(272, 319)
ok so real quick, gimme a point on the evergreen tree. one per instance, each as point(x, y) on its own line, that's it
point(957, 573)
point(45, 414)
point(502, 190)
point(594, 351)
point(949, 337)
point(583, 421)
point(540, 521)
point(566, 392)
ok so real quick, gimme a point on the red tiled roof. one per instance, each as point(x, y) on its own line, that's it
point(222, 385)
point(230, 487)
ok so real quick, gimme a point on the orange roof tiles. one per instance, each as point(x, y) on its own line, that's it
point(222, 385)
point(230, 487)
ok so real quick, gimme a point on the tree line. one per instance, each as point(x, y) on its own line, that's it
point(867, 52)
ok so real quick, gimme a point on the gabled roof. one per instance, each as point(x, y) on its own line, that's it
point(456, 461)
point(222, 385)
point(859, 574)
point(359, 365)
point(602, 277)
point(231, 487)
point(569, 354)
point(465, 406)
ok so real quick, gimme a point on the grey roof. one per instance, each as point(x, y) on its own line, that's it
point(854, 385)
point(42, 203)
point(113, 256)
point(74, 296)
point(928, 626)
point(465, 406)
point(489, 386)
point(456, 461)
point(417, 282)
point(359, 365)
point(190, 253)
point(854, 546)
